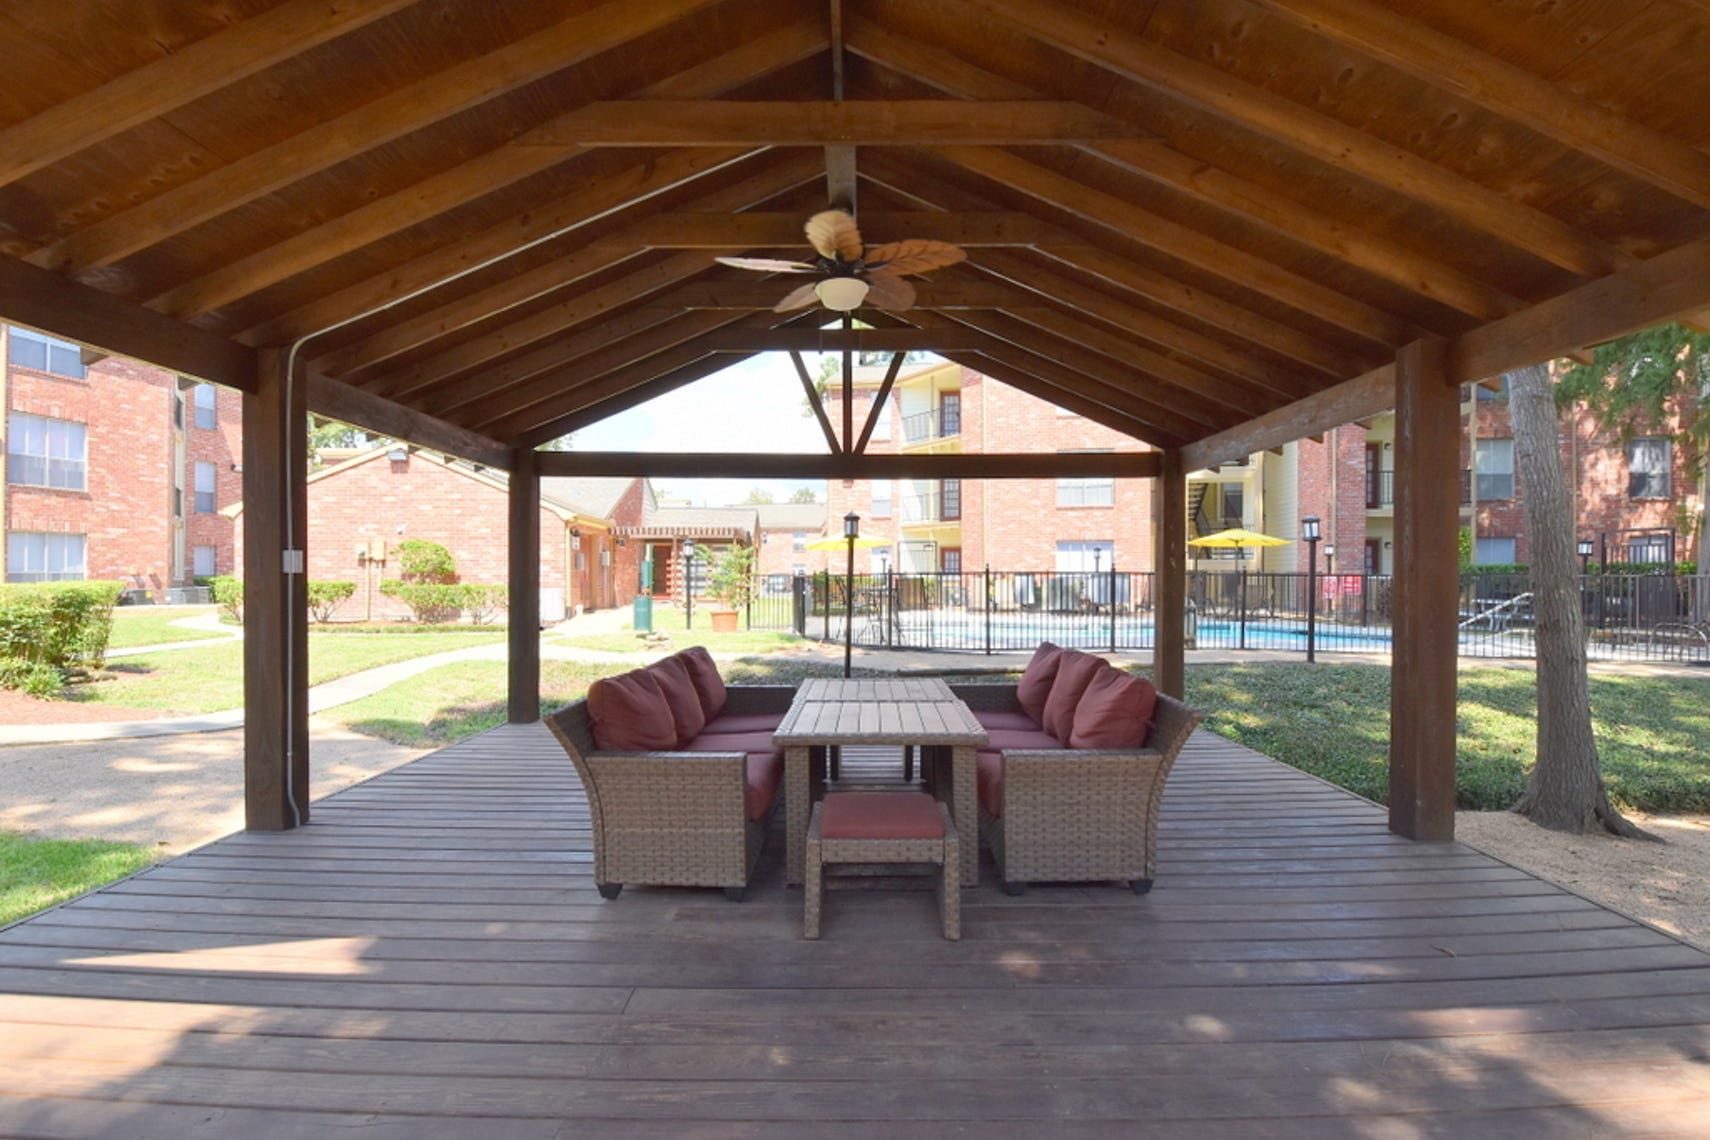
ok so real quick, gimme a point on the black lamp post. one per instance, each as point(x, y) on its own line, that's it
point(851, 530)
point(688, 583)
point(1585, 548)
point(1309, 530)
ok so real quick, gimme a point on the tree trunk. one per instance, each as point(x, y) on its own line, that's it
point(1565, 792)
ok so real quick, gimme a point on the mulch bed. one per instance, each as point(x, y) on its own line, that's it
point(21, 708)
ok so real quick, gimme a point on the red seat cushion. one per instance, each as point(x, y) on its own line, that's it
point(880, 815)
point(1017, 720)
point(1034, 688)
point(1074, 673)
point(988, 775)
point(730, 742)
point(680, 694)
point(1020, 738)
point(704, 671)
point(761, 777)
point(629, 714)
point(1115, 711)
point(744, 722)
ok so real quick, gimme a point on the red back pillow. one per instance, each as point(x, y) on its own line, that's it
point(1035, 685)
point(1115, 711)
point(629, 714)
point(1075, 672)
point(672, 676)
point(704, 672)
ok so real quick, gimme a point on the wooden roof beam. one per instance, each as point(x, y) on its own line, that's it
point(1654, 291)
point(861, 122)
point(748, 465)
point(609, 246)
point(1326, 139)
point(182, 74)
point(410, 108)
point(1055, 393)
point(705, 229)
point(1506, 90)
point(428, 198)
point(1156, 160)
point(341, 402)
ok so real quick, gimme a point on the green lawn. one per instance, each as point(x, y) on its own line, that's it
point(209, 678)
point(1653, 733)
point(152, 625)
point(36, 873)
point(669, 619)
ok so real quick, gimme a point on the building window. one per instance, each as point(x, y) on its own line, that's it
point(1494, 552)
point(205, 488)
point(1088, 491)
point(1485, 393)
point(44, 354)
point(207, 416)
point(882, 500)
point(1648, 462)
point(203, 562)
point(950, 499)
point(1084, 556)
point(1232, 502)
point(950, 413)
point(950, 560)
point(1493, 464)
point(46, 453)
point(798, 540)
point(882, 424)
point(36, 557)
point(1648, 549)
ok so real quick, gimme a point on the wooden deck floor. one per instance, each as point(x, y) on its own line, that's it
point(430, 959)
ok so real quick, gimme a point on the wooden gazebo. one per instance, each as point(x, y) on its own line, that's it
point(1216, 225)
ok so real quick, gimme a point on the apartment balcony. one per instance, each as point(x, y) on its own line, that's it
point(1380, 489)
point(931, 427)
point(940, 504)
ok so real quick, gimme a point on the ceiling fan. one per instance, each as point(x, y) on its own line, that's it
point(851, 272)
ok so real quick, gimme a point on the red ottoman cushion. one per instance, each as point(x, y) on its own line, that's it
point(880, 815)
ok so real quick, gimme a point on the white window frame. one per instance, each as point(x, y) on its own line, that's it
point(206, 399)
point(204, 565)
point(46, 556)
point(59, 447)
point(1484, 548)
point(58, 357)
point(1493, 468)
point(1650, 468)
point(207, 483)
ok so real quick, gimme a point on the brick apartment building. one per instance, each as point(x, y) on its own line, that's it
point(953, 525)
point(114, 469)
point(363, 504)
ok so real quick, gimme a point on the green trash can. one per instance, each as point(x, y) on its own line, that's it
point(642, 617)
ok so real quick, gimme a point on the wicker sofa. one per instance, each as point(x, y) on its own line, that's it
point(693, 812)
point(1051, 812)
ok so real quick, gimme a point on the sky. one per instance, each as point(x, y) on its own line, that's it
point(755, 405)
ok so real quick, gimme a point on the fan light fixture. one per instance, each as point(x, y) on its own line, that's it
point(841, 294)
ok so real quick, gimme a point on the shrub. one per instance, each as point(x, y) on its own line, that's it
point(428, 562)
point(228, 595)
point(326, 597)
point(61, 625)
point(482, 602)
point(731, 579)
point(428, 601)
point(32, 677)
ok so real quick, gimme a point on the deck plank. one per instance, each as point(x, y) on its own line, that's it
point(430, 958)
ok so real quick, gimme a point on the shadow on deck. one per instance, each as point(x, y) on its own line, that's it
point(430, 958)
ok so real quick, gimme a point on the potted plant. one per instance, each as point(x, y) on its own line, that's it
point(730, 580)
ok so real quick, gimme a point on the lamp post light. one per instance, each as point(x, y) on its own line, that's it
point(1585, 548)
point(1309, 530)
point(851, 530)
point(688, 583)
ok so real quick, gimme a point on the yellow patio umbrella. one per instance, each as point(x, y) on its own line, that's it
point(1235, 538)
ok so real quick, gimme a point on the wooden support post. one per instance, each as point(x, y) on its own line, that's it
point(275, 611)
point(1169, 563)
point(523, 700)
point(1427, 517)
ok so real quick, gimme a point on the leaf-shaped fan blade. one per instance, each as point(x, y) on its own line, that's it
point(832, 233)
point(766, 264)
point(913, 255)
point(798, 298)
point(889, 292)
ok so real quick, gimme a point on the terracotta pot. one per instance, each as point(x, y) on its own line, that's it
point(724, 621)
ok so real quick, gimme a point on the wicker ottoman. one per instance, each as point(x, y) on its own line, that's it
point(883, 827)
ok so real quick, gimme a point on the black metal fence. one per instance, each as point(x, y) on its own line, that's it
point(1628, 616)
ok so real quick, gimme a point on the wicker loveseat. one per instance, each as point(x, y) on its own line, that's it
point(692, 811)
point(1054, 812)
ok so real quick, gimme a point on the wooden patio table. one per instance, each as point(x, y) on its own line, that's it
point(835, 712)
